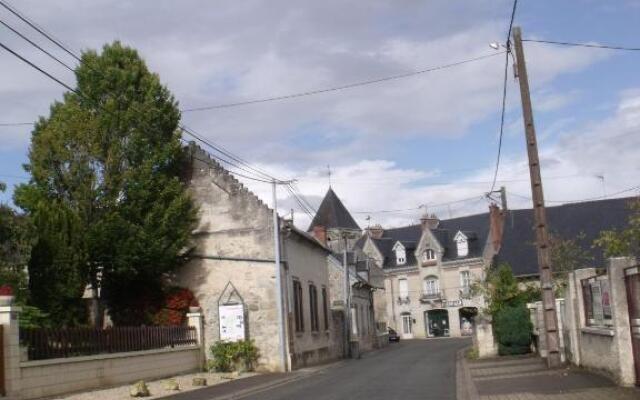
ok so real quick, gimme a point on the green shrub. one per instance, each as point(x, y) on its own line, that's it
point(513, 330)
point(233, 356)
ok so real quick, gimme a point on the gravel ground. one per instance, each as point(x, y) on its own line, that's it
point(156, 387)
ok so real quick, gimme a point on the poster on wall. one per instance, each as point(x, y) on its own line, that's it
point(231, 322)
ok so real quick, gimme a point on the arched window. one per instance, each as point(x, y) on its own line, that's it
point(428, 255)
point(431, 285)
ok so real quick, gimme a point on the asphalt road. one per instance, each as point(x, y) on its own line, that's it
point(412, 369)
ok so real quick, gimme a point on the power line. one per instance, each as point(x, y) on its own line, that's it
point(583, 200)
point(504, 95)
point(3, 124)
point(38, 68)
point(36, 45)
point(427, 205)
point(187, 129)
point(38, 29)
point(595, 46)
point(337, 88)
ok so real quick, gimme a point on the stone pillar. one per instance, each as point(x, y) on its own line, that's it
point(196, 319)
point(483, 339)
point(575, 311)
point(620, 314)
point(11, 349)
point(454, 322)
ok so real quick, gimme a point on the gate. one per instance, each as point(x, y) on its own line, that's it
point(2, 388)
point(632, 282)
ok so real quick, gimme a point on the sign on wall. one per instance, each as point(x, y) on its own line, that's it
point(232, 326)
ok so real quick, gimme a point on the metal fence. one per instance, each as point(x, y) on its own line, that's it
point(45, 344)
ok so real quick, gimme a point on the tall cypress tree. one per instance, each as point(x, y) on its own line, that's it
point(107, 161)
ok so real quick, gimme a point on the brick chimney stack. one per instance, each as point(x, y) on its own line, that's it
point(320, 233)
point(496, 223)
point(375, 232)
point(429, 221)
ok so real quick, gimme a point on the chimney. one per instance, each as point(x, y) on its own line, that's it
point(320, 233)
point(496, 224)
point(429, 221)
point(375, 232)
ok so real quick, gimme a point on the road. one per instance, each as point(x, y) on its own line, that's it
point(412, 369)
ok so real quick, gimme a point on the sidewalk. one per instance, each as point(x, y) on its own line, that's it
point(527, 377)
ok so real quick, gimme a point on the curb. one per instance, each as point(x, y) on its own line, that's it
point(465, 388)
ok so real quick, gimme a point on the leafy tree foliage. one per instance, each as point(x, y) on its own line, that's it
point(513, 329)
point(625, 242)
point(567, 255)
point(15, 248)
point(109, 206)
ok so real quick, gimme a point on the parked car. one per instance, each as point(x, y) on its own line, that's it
point(393, 336)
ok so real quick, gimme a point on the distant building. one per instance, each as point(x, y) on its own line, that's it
point(429, 269)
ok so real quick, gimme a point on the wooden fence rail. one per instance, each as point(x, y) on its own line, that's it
point(45, 343)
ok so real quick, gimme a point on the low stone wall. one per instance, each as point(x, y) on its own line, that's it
point(53, 377)
point(64, 375)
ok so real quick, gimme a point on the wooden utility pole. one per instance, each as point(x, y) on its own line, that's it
point(540, 218)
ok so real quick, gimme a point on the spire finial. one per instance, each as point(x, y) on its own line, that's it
point(329, 174)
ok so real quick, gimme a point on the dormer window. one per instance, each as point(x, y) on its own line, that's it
point(401, 254)
point(462, 244)
point(428, 255)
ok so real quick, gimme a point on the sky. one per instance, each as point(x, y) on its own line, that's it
point(425, 143)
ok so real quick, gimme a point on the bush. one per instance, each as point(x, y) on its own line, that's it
point(513, 330)
point(233, 356)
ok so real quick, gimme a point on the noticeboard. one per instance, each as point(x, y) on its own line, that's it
point(232, 326)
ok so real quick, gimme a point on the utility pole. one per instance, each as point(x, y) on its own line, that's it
point(542, 235)
point(347, 300)
point(278, 264)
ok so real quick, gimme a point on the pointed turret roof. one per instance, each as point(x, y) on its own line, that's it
point(333, 214)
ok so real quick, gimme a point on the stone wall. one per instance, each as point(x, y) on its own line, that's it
point(604, 348)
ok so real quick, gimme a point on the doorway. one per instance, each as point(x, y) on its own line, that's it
point(467, 320)
point(407, 326)
point(437, 323)
point(632, 283)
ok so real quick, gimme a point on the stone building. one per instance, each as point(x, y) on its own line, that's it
point(334, 227)
point(232, 273)
point(429, 269)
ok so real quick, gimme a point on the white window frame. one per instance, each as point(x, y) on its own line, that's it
point(465, 279)
point(462, 244)
point(400, 288)
point(428, 255)
point(431, 285)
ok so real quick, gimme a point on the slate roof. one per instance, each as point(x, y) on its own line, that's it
point(475, 227)
point(565, 221)
point(333, 214)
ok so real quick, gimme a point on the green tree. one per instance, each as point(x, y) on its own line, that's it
point(625, 242)
point(105, 165)
point(567, 255)
point(15, 248)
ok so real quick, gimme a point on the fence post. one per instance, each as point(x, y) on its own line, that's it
point(620, 314)
point(11, 350)
point(196, 320)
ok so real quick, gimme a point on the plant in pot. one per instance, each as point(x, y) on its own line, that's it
point(6, 295)
point(194, 306)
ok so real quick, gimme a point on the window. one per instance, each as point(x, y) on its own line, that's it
point(297, 306)
point(325, 308)
point(431, 286)
point(401, 256)
point(428, 255)
point(597, 302)
point(462, 244)
point(465, 280)
point(403, 288)
point(313, 307)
